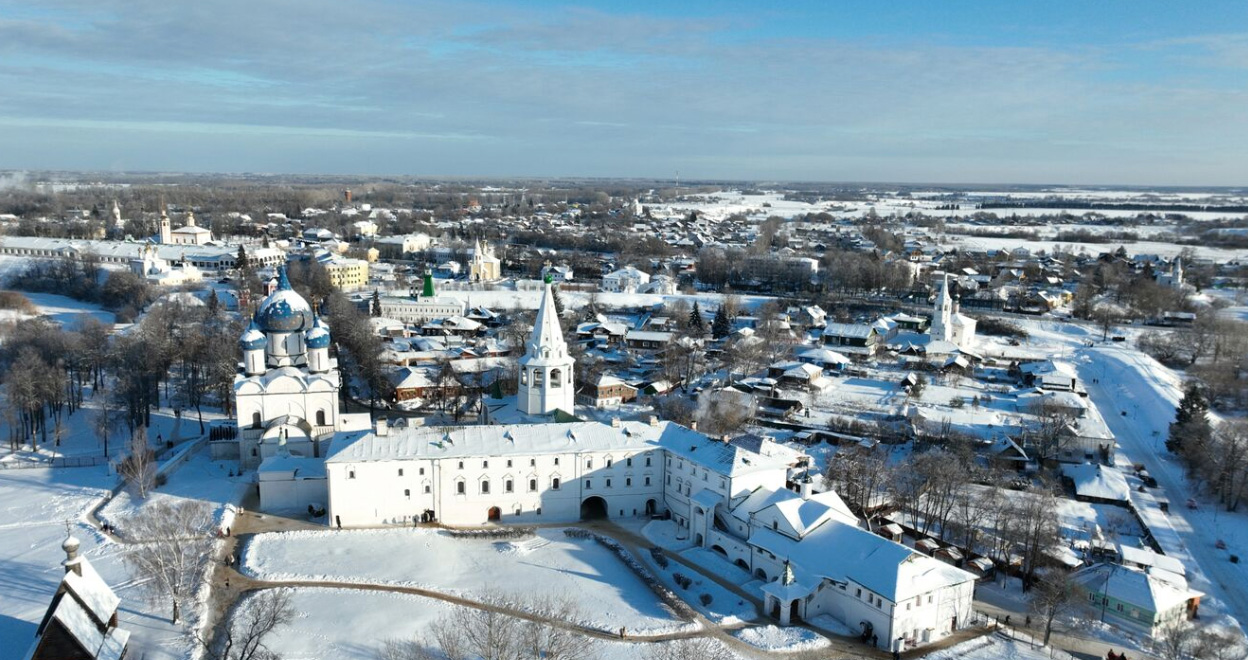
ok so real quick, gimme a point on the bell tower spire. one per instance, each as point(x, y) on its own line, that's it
point(546, 369)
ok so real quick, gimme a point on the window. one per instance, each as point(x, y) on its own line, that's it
point(508, 486)
point(929, 600)
point(647, 481)
point(532, 485)
point(351, 474)
point(647, 461)
point(554, 483)
point(588, 484)
point(255, 420)
point(255, 453)
point(669, 479)
point(485, 465)
point(320, 418)
point(775, 525)
point(556, 460)
point(1119, 607)
point(628, 481)
point(608, 462)
point(608, 483)
point(459, 488)
point(532, 462)
point(628, 462)
point(556, 378)
point(509, 462)
point(428, 489)
point(400, 472)
point(421, 472)
point(524, 377)
point(539, 510)
point(589, 464)
point(407, 492)
point(485, 487)
point(860, 593)
point(461, 465)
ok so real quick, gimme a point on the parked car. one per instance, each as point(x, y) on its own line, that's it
point(1191, 503)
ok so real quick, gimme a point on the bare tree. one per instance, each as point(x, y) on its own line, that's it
point(1055, 595)
point(252, 621)
point(702, 648)
point(1176, 640)
point(170, 545)
point(138, 466)
point(488, 634)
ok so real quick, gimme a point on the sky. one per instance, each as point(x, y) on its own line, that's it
point(1109, 92)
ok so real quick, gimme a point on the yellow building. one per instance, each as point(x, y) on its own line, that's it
point(347, 274)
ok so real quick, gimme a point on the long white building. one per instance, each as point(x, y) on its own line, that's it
point(808, 549)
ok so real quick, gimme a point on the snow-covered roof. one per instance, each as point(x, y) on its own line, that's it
point(842, 552)
point(1134, 586)
point(75, 619)
point(1098, 482)
point(1146, 557)
point(853, 330)
point(528, 439)
point(93, 592)
point(824, 355)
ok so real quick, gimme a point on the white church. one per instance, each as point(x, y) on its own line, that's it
point(949, 324)
point(812, 554)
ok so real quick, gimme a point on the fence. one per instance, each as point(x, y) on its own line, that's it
point(58, 462)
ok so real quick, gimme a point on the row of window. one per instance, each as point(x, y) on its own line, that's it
point(628, 482)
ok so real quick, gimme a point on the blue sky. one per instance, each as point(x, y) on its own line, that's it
point(1055, 92)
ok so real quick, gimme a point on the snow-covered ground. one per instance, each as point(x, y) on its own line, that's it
point(991, 647)
point(201, 478)
point(775, 638)
point(352, 625)
point(606, 591)
point(501, 300)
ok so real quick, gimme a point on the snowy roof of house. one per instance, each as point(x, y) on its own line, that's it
point(644, 335)
point(803, 515)
point(840, 551)
point(299, 467)
point(1146, 557)
point(1134, 586)
point(525, 439)
point(824, 355)
point(855, 330)
point(803, 371)
point(1098, 481)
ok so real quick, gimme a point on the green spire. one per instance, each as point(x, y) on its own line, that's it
point(428, 292)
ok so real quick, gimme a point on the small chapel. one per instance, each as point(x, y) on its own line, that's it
point(81, 621)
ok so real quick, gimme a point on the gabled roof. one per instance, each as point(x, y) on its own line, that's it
point(855, 330)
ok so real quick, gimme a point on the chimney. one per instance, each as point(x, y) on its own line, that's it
point(654, 420)
point(615, 422)
point(804, 488)
point(693, 425)
point(383, 429)
point(725, 438)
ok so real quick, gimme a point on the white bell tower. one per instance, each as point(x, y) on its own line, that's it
point(942, 315)
point(546, 368)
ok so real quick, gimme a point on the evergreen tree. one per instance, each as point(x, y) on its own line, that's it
point(1190, 429)
point(696, 324)
point(721, 326)
point(376, 303)
point(241, 262)
point(214, 303)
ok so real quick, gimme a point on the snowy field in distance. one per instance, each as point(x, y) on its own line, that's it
point(606, 591)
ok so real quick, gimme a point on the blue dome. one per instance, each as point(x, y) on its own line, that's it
point(317, 337)
point(253, 339)
point(284, 310)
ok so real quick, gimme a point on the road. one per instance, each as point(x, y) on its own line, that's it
point(1120, 380)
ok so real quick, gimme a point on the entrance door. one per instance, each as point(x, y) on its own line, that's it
point(495, 514)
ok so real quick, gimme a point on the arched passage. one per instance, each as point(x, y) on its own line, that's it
point(651, 507)
point(593, 508)
point(494, 514)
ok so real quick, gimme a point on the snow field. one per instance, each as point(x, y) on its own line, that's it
point(352, 625)
point(605, 591)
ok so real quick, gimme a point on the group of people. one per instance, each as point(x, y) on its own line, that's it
point(1115, 656)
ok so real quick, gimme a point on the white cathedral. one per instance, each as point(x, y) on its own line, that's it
point(812, 554)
